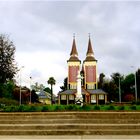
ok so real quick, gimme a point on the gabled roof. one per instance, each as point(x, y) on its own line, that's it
point(43, 95)
point(69, 91)
point(84, 91)
point(96, 91)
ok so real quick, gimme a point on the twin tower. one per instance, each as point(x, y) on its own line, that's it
point(88, 70)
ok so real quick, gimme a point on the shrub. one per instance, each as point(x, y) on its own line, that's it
point(138, 102)
point(45, 108)
point(26, 108)
point(60, 108)
point(10, 109)
point(86, 107)
point(72, 107)
point(21, 108)
point(33, 108)
point(96, 107)
point(111, 107)
point(129, 97)
point(52, 108)
point(121, 108)
point(133, 107)
point(8, 102)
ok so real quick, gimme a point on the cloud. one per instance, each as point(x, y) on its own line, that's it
point(42, 32)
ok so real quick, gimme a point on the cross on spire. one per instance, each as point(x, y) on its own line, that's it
point(73, 35)
point(89, 35)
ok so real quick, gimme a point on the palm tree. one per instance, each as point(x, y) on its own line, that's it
point(51, 81)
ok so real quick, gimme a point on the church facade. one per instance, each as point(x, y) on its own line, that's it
point(89, 84)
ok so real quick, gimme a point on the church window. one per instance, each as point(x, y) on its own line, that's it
point(71, 97)
point(93, 98)
point(90, 86)
point(72, 86)
point(101, 97)
point(63, 97)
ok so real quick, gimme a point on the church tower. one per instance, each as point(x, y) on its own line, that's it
point(73, 66)
point(90, 68)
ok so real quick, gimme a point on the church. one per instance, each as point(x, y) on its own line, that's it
point(88, 89)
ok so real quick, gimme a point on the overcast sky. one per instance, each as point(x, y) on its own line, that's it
point(42, 32)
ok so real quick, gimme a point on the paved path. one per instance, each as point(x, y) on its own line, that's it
point(94, 137)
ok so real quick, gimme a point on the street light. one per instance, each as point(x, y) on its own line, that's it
point(30, 91)
point(20, 84)
point(135, 84)
point(119, 89)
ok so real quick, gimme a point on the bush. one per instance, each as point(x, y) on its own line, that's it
point(60, 108)
point(133, 107)
point(52, 108)
point(8, 102)
point(138, 102)
point(86, 107)
point(33, 108)
point(10, 109)
point(111, 107)
point(72, 107)
point(121, 108)
point(129, 97)
point(45, 108)
point(21, 108)
point(96, 107)
point(26, 108)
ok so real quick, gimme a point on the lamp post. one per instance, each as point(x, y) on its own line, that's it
point(20, 85)
point(30, 91)
point(119, 89)
point(135, 84)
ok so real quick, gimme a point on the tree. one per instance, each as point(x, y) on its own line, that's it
point(7, 89)
point(115, 78)
point(47, 89)
point(8, 67)
point(37, 87)
point(129, 83)
point(101, 80)
point(65, 83)
point(34, 97)
point(111, 88)
point(51, 81)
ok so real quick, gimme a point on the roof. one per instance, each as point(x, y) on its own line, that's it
point(44, 95)
point(84, 91)
point(74, 50)
point(90, 58)
point(90, 53)
point(70, 91)
point(74, 53)
point(74, 58)
point(89, 50)
point(96, 91)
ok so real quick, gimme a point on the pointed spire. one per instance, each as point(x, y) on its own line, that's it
point(89, 50)
point(74, 50)
point(74, 53)
point(90, 53)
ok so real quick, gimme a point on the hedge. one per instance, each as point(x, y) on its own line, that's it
point(53, 108)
